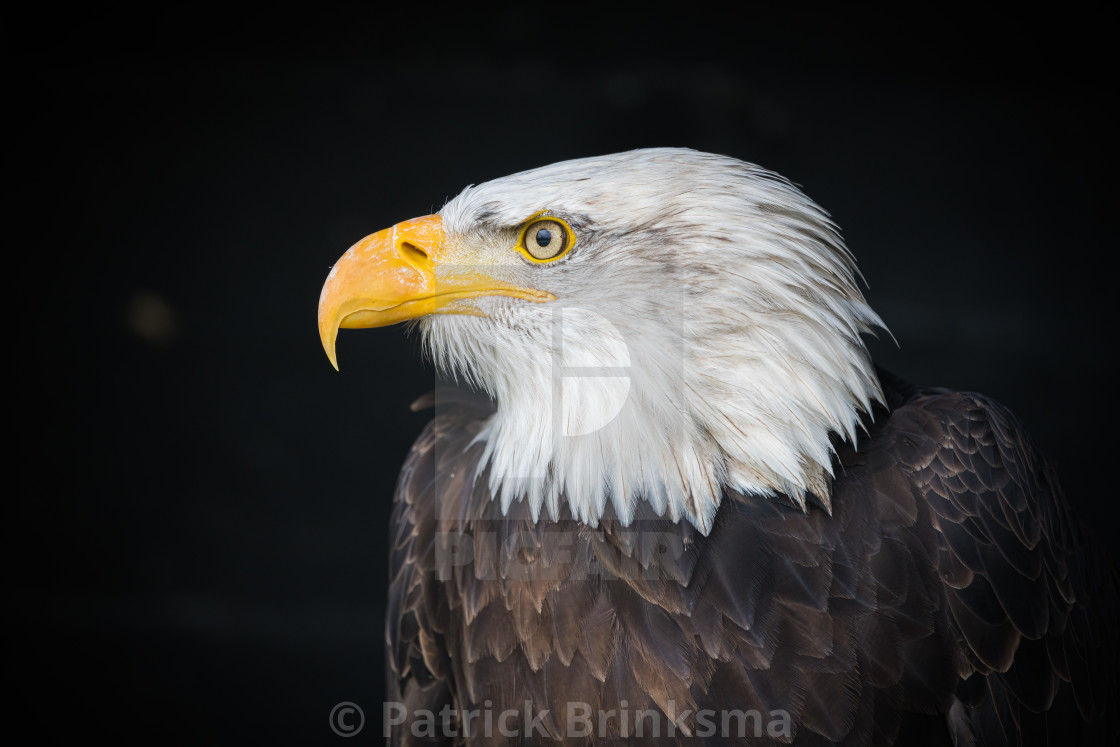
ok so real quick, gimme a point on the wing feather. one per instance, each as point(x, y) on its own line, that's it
point(948, 598)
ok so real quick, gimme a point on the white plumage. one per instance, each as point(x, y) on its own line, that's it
point(705, 333)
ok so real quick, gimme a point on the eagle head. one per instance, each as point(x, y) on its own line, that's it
point(659, 325)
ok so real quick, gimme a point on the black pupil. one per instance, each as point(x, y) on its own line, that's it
point(544, 237)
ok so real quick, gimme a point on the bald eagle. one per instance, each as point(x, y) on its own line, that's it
point(677, 502)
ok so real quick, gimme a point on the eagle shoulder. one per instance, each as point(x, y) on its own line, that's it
point(1025, 589)
point(419, 664)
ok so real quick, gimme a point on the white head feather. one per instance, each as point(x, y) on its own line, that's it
point(705, 335)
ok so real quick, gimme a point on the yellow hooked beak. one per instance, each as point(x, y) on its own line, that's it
point(401, 273)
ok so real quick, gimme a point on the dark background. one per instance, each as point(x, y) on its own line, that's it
point(197, 523)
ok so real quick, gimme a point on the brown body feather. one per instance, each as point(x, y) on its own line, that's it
point(948, 599)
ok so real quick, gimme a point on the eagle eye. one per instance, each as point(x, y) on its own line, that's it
point(545, 240)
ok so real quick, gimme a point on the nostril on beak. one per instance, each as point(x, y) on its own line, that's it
point(412, 253)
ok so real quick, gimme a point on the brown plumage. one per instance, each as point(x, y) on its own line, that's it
point(950, 598)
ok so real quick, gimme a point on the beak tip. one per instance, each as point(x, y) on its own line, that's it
point(332, 356)
point(328, 338)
